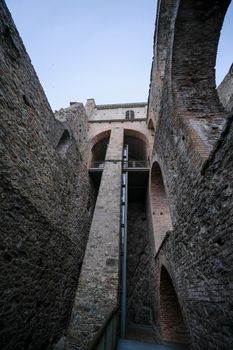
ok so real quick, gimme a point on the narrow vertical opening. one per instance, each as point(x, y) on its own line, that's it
point(151, 125)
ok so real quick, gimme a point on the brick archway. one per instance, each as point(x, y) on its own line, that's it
point(161, 217)
point(196, 35)
point(172, 326)
point(195, 100)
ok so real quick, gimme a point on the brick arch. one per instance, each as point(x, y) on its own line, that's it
point(195, 99)
point(95, 140)
point(171, 321)
point(141, 137)
point(161, 218)
point(196, 35)
point(166, 13)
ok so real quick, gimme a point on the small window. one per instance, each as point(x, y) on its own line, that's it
point(129, 115)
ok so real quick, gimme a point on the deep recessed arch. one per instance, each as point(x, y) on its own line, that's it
point(196, 34)
point(195, 99)
point(139, 142)
point(161, 218)
point(172, 325)
point(98, 146)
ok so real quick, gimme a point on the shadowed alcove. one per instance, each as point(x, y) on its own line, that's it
point(159, 205)
point(172, 326)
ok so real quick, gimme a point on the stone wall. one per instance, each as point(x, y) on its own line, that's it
point(198, 254)
point(138, 265)
point(75, 119)
point(115, 111)
point(46, 206)
point(193, 147)
point(225, 91)
point(97, 293)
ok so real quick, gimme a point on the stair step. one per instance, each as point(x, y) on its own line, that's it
point(124, 344)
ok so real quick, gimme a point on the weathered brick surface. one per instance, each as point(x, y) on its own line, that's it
point(171, 322)
point(161, 218)
point(190, 121)
point(46, 206)
point(138, 264)
point(198, 254)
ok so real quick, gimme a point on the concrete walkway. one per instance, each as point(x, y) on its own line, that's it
point(124, 344)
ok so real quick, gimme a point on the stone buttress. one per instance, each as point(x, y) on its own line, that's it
point(97, 293)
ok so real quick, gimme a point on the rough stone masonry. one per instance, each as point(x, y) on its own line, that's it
point(45, 208)
point(48, 199)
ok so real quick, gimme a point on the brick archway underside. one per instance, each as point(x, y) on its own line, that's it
point(172, 326)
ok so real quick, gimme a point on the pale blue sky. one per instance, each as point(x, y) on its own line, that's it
point(96, 48)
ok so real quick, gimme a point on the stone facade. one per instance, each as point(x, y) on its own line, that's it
point(180, 215)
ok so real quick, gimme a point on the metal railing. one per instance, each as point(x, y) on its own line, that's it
point(106, 338)
point(97, 164)
point(126, 164)
point(136, 164)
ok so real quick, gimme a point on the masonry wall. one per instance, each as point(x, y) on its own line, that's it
point(75, 119)
point(225, 91)
point(117, 112)
point(138, 267)
point(45, 209)
point(97, 293)
point(193, 146)
point(135, 127)
point(198, 254)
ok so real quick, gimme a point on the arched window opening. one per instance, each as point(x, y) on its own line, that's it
point(136, 148)
point(99, 151)
point(64, 143)
point(129, 115)
point(172, 326)
point(137, 164)
point(161, 217)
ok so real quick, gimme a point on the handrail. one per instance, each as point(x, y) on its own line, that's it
point(103, 331)
point(97, 164)
point(126, 164)
point(136, 164)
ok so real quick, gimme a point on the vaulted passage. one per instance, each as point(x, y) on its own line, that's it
point(172, 327)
